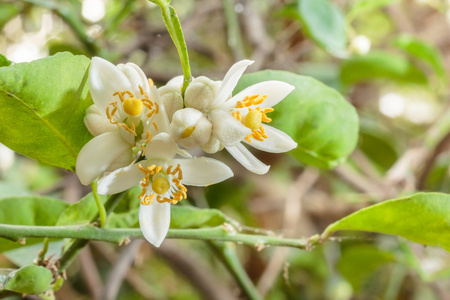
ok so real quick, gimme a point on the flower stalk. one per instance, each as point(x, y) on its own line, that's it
point(176, 33)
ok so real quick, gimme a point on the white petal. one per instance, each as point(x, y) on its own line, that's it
point(162, 146)
point(136, 77)
point(120, 180)
point(229, 82)
point(275, 91)
point(155, 221)
point(104, 80)
point(228, 130)
point(203, 171)
point(97, 154)
point(277, 141)
point(161, 118)
point(177, 81)
point(247, 159)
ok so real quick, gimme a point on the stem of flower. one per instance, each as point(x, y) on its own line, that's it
point(101, 208)
point(176, 33)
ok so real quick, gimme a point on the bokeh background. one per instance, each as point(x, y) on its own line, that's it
point(393, 69)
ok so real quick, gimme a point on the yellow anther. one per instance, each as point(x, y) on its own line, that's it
point(156, 126)
point(160, 185)
point(133, 106)
point(150, 82)
point(158, 169)
point(169, 169)
point(187, 132)
point(253, 119)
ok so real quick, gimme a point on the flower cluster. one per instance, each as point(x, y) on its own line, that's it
point(143, 134)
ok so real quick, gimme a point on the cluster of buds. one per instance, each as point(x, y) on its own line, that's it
point(143, 135)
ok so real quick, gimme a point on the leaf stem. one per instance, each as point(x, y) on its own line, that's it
point(176, 33)
point(100, 206)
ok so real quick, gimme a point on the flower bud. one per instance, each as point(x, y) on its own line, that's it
point(97, 123)
point(200, 93)
point(360, 45)
point(190, 128)
point(171, 97)
point(212, 146)
point(136, 77)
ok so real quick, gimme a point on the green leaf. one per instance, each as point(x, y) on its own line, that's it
point(380, 65)
point(29, 280)
point(318, 118)
point(192, 217)
point(28, 210)
point(358, 262)
point(366, 6)
point(324, 22)
point(80, 212)
point(422, 218)
point(4, 62)
point(422, 51)
point(42, 106)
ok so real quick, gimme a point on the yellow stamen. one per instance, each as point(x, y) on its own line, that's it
point(131, 130)
point(156, 126)
point(150, 82)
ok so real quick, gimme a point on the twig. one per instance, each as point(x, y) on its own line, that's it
point(90, 273)
point(118, 272)
point(194, 271)
point(292, 210)
point(135, 281)
point(123, 235)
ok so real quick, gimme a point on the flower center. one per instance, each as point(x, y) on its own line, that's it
point(133, 106)
point(163, 181)
point(187, 132)
point(254, 117)
point(160, 185)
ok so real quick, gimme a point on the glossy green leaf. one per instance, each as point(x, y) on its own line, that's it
point(422, 218)
point(42, 106)
point(324, 23)
point(366, 6)
point(380, 65)
point(4, 62)
point(317, 117)
point(192, 217)
point(29, 280)
point(28, 210)
point(423, 51)
point(80, 212)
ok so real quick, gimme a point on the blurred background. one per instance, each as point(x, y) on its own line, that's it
point(391, 64)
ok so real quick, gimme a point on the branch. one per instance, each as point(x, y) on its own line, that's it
point(124, 235)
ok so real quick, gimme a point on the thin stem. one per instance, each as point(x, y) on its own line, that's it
point(227, 253)
point(124, 235)
point(100, 206)
point(176, 33)
point(44, 250)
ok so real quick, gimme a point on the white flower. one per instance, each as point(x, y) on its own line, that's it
point(240, 118)
point(163, 179)
point(125, 114)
